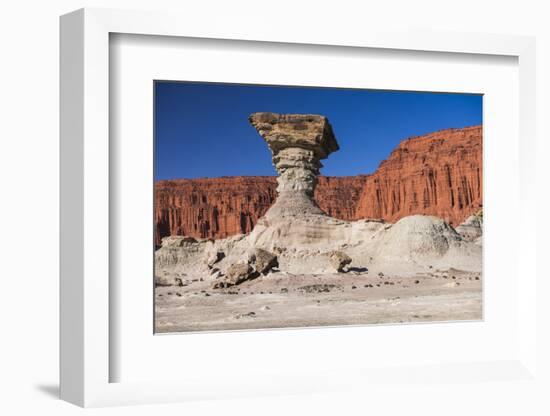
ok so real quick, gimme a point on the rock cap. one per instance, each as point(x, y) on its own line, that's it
point(306, 131)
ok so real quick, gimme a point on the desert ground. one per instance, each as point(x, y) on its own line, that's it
point(282, 300)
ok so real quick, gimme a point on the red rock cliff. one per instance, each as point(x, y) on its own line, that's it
point(437, 174)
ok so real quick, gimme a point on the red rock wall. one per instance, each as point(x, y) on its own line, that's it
point(437, 174)
point(211, 207)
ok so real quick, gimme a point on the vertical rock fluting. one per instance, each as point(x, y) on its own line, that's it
point(437, 174)
point(221, 207)
point(211, 207)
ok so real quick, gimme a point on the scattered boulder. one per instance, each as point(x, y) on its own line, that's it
point(235, 275)
point(263, 261)
point(238, 273)
point(168, 281)
point(339, 261)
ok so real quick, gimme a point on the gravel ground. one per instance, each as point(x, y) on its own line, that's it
point(282, 300)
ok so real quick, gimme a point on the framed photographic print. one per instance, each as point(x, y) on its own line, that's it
point(236, 228)
point(391, 232)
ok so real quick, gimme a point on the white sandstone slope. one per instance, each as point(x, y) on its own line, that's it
point(418, 242)
point(415, 243)
point(472, 228)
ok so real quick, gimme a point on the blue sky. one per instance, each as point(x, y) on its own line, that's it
point(202, 129)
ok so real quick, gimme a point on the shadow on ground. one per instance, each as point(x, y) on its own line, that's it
point(51, 390)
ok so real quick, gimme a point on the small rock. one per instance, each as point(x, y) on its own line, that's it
point(265, 308)
point(318, 288)
point(245, 315)
point(219, 285)
point(263, 261)
point(339, 261)
point(416, 282)
point(236, 274)
point(167, 281)
point(380, 275)
point(354, 287)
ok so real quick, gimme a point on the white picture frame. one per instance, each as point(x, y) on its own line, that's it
point(85, 213)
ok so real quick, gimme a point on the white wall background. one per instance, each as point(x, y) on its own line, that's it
point(29, 200)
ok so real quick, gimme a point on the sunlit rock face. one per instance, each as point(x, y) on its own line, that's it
point(297, 142)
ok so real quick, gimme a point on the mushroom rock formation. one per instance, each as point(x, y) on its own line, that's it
point(298, 142)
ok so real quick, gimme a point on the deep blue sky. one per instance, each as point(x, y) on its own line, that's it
point(202, 130)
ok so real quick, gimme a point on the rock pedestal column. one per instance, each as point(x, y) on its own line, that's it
point(298, 143)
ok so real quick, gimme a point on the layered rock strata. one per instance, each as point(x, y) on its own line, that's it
point(298, 143)
point(437, 174)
